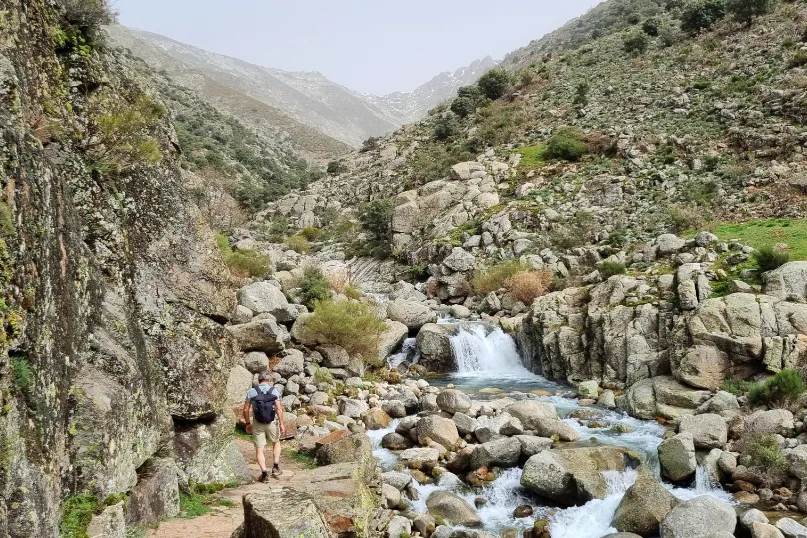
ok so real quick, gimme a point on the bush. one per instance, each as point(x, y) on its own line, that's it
point(736, 387)
point(376, 217)
point(567, 144)
point(77, 512)
point(87, 14)
point(314, 286)
point(526, 286)
point(765, 452)
point(783, 390)
point(699, 15)
point(581, 94)
point(610, 268)
point(311, 233)
point(799, 59)
point(463, 106)
point(298, 243)
point(446, 128)
point(495, 83)
point(352, 292)
point(369, 144)
point(769, 258)
point(651, 27)
point(493, 278)
point(21, 375)
point(249, 263)
point(746, 11)
point(349, 324)
point(635, 43)
point(336, 167)
point(323, 375)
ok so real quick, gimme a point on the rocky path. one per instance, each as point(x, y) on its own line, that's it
point(223, 520)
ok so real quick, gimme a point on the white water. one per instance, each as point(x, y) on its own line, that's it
point(480, 352)
point(409, 352)
point(386, 458)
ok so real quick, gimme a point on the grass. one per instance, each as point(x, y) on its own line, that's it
point(21, 374)
point(736, 387)
point(531, 156)
point(304, 460)
point(783, 390)
point(494, 277)
point(769, 258)
point(77, 511)
point(193, 505)
point(767, 233)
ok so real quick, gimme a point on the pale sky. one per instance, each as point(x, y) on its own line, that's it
point(373, 46)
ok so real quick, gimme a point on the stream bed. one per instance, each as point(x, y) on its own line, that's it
point(490, 367)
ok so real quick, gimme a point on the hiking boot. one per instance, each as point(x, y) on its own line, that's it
point(264, 477)
point(276, 472)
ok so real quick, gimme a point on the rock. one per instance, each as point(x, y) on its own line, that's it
point(334, 356)
point(266, 298)
point(791, 529)
point(290, 364)
point(108, 524)
point(525, 510)
point(156, 494)
point(463, 171)
point(529, 412)
point(413, 315)
point(752, 515)
point(677, 457)
point(589, 389)
point(721, 401)
point(260, 335)
point(453, 509)
point(414, 457)
point(574, 475)
point(424, 524)
point(701, 516)
point(465, 424)
point(705, 239)
point(239, 381)
point(503, 452)
point(548, 427)
point(394, 408)
point(460, 261)
point(531, 444)
point(789, 280)
point(399, 481)
point(390, 497)
point(398, 526)
point(607, 399)
point(776, 421)
point(391, 338)
point(708, 430)
point(669, 244)
point(764, 530)
point(349, 448)
point(282, 513)
point(438, 429)
point(434, 344)
point(643, 507)
point(453, 401)
point(395, 441)
point(375, 419)
point(256, 362)
point(352, 408)
point(511, 427)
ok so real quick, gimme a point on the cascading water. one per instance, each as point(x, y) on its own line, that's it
point(386, 458)
point(409, 352)
point(479, 350)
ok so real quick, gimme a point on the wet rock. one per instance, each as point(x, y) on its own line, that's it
point(503, 452)
point(532, 444)
point(434, 344)
point(701, 516)
point(375, 419)
point(525, 510)
point(644, 507)
point(438, 429)
point(574, 475)
point(453, 509)
point(453, 401)
point(708, 430)
point(395, 441)
point(547, 427)
point(414, 457)
point(529, 412)
point(677, 457)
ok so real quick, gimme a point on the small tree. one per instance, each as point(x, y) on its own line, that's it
point(651, 26)
point(581, 94)
point(746, 11)
point(699, 15)
point(446, 128)
point(635, 43)
point(495, 83)
point(314, 286)
point(376, 218)
point(336, 167)
point(369, 144)
point(463, 106)
point(567, 144)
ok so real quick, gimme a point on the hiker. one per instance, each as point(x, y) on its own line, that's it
point(263, 404)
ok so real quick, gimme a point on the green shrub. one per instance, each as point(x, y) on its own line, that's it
point(610, 268)
point(567, 144)
point(417, 273)
point(746, 11)
point(782, 390)
point(651, 27)
point(581, 94)
point(349, 324)
point(314, 286)
point(765, 452)
point(21, 374)
point(493, 278)
point(323, 375)
point(336, 167)
point(699, 15)
point(311, 233)
point(495, 83)
point(446, 128)
point(298, 243)
point(736, 387)
point(369, 144)
point(635, 43)
point(249, 263)
point(769, 258)
point(376, 218)
point(463, 106)
point(6, 220)
point(352, 292)
point(87, 14)
point(799, 59)
point(77, 512)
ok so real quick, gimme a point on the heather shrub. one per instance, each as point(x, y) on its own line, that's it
point(609, 268)
point(493, 278)
point(769, 258)
point(349, 324)
point(526, 286)
point(298, 243)
point(313, 286)
point(782, 390)
point(566, 144)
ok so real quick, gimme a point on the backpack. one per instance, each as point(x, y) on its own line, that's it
point(264, 406)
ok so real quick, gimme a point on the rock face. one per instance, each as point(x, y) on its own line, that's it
point(644, 507)
point(574, 475)
point(701, 516)
point(283, 513)
point(453, 509)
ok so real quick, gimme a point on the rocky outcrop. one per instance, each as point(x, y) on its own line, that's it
point(701, 516)
point(644, 507)
point(434, 344)
point(283, 513)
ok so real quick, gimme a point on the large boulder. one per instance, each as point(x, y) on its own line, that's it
point(352, 408)
point(260, 335)
point(453, 509)
point(574, 475)
point(282, 513)
point(156, 495)
point(787, 282)
point(413, 315)
point(677, 457)
point(439, 429)
point(434, 344)
point(791, 529)
point(644, 507)
point(110, 523)
point(376, 419)
point(291, 363)
point(453, 401)
point(266, 298)
point(708, 430)
point(529, 412)
point(502, 452)
point(391, 338)
point(350, 448)
point(699, 517)
point(550, 427)
point(460, 261)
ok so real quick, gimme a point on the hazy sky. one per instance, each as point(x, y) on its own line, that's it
point(374, 46)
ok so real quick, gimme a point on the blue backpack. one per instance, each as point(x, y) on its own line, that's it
point(264, 406)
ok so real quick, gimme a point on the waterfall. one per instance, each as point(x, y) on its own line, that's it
point(478, 349)
point(703, 481)
point(409, 352)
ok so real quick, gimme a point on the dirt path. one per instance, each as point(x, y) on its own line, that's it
point(223, 520)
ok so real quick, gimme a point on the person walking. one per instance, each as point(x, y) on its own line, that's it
point(264, 415)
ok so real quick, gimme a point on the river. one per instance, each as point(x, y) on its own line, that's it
point(489, 366)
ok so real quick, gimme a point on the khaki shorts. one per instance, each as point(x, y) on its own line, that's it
point(263, 432)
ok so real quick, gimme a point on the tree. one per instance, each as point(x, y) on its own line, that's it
point(746, 11)
point(336, 167)
point(446, 128)
point(376, 218)
point(635, 43)
point(495, 83)
point(650, 27)
point(369, 144)
point(463, 106)
point(702, 14)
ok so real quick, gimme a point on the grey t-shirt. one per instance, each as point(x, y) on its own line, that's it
point(265, 389)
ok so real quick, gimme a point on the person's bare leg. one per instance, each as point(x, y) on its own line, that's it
point(261, 457)
point(276, 453)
